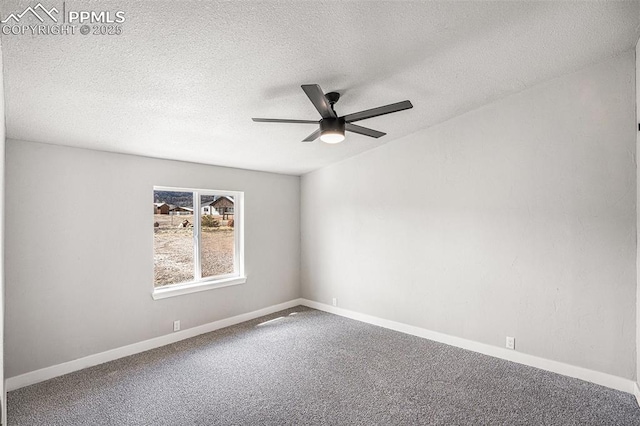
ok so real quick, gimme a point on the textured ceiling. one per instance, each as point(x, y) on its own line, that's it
point(184, 78)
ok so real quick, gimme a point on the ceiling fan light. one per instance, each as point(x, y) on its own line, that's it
point(332, 137)
point(332, 130)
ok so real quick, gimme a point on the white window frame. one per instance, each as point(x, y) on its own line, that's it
point(218, 281)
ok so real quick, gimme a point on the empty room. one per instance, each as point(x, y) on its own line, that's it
point(319, 212)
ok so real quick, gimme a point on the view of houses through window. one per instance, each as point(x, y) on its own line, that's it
point(194, 238)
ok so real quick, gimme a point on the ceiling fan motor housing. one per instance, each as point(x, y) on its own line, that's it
point(332, 125)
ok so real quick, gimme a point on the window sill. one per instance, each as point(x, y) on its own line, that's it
point(180, 289)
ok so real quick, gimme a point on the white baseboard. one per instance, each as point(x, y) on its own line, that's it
point(47, 373)
point(597, 377)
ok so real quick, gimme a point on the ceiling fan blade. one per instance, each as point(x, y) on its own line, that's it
point(374, 112)
point(283, 120)
point(314, 92)
point(363, 130)
point(312, 137)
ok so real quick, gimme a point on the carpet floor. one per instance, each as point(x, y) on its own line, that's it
point(306, 367)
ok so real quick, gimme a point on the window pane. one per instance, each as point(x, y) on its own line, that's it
point(217, 243)
point(173, 237)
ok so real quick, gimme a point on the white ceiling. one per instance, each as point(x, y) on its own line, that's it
point(184, 79)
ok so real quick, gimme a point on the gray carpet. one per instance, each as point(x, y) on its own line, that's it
point(308, 367)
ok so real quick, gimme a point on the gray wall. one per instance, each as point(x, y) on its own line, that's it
point(79, 256)
point(638, 216)
point(514, 219)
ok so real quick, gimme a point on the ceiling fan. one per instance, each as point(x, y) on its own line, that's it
point(332, 127)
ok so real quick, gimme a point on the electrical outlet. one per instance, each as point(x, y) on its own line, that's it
point(511, 342)
point(335, 302)
point(176, 325)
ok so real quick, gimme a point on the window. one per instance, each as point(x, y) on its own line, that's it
point(197, 240)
